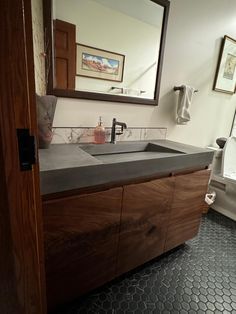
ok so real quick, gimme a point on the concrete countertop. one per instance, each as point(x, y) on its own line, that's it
point(65, 167)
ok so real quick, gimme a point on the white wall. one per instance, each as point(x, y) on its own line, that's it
point(101, 27)
point(194, 34)
point(193, 42)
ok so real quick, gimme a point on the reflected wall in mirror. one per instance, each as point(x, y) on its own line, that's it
point(106, 49)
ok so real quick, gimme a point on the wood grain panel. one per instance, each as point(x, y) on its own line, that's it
point(62, 68)
point(65, 54)
point(22, 289)
point(61, 41)
point(81, 240)
point(187, 207)
point(144, 222)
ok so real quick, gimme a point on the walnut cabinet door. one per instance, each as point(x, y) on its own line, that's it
point(81, 243)
point(144, 220)
point(186, 211)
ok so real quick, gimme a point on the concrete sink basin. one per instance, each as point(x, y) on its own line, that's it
point(130, 151)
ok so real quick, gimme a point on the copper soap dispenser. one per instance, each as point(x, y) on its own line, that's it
point(99, 133)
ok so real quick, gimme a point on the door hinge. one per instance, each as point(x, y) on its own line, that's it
point(26, 146)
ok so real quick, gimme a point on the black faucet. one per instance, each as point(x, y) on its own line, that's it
point(113, 129)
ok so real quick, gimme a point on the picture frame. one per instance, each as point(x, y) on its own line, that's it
point(100, 64)
point(225, 78)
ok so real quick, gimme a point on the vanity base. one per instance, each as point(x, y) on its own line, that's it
point(94, 237)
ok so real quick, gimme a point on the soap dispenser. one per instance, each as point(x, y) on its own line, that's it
point(99, 133)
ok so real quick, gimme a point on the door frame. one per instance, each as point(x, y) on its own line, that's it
point(22, 284)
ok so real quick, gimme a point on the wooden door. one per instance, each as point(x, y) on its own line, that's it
point(186, 211)
point(21, 263)
point(144, 222)
point(64, 54)
point(81, 242)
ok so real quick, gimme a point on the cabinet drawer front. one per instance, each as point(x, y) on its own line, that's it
point(144, 222)
point(188, 203)
point(81, 241)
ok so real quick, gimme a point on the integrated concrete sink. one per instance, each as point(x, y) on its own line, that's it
point(66, 167)
point(130, 151)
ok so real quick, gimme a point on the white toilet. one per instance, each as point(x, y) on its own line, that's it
point(223, 179)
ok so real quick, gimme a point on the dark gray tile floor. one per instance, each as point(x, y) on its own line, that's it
point(198, 277)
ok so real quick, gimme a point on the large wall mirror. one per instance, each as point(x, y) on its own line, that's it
point(105, 49)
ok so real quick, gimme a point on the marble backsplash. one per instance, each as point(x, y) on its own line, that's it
point(72, 135)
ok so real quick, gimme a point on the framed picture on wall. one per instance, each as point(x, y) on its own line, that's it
point(225, 79)
point(99, 64)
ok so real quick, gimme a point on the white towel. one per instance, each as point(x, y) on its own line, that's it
point(185, 99)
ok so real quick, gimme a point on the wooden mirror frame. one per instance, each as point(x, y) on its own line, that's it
point(49, 64)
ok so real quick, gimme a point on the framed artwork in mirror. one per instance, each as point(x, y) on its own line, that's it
point(225, 79)
point(99, 64)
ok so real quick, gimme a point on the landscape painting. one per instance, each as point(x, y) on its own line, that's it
point(99, 64)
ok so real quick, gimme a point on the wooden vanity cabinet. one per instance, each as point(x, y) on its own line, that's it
point(186, 210)
point(81, 242)
point(144, 220)
point(90, 239)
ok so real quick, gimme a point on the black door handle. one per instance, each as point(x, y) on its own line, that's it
point(26, 146)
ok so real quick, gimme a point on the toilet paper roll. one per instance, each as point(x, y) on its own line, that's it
point(210, 198)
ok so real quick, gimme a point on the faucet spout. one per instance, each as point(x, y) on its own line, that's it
point(113, 129)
